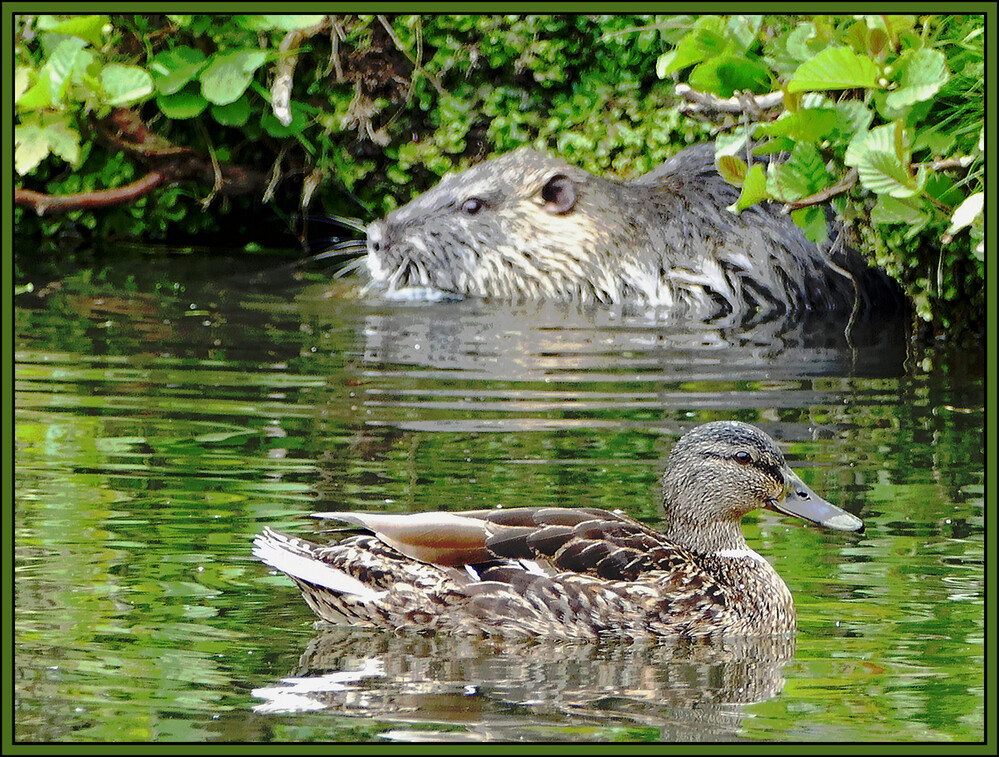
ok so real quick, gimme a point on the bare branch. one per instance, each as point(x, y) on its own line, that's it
point(742, 102)
point(841, 187)
point(43, 203)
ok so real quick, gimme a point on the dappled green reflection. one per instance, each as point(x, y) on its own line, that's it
point(166, 412)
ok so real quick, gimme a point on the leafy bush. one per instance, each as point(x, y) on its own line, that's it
point(896, 98)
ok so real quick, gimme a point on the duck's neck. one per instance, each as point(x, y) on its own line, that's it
point(725, 536)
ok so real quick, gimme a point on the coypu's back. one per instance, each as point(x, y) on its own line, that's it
point(525, 225)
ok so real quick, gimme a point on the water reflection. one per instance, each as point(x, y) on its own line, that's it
point(514, 690)
point(529, 341)
point(165, 413)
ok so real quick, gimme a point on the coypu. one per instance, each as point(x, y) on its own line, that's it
point(526, 225)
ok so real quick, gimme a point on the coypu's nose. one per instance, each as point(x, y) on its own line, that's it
point(376, 236)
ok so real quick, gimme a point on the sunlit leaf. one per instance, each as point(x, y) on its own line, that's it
point(62, 63)
point(227, 75)
point(30, 148)
point(967, 212)
point(924, 72)
point(125, 84)
point(754, 188)
point(835, 68)
point(89, 28)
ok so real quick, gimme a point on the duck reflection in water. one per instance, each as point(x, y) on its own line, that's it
point(501, 689)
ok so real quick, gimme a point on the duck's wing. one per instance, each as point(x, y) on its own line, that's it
point(573, 540)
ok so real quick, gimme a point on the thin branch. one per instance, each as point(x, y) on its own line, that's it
point(841, 187)
point(43, 203)
point(743, 102)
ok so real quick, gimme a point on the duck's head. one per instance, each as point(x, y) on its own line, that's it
point(720, 471)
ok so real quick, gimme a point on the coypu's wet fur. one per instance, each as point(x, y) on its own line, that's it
point(526, 225)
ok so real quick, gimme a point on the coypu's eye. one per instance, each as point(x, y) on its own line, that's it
point(472, 205)
point(559, 194)
point(742, 457)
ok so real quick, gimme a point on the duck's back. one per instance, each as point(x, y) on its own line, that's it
point(574, 573)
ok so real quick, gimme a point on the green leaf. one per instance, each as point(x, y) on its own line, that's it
point(38, 96)
point(229, 74)
point(733, 143)
point(30, 148)
point(812, 221)
point(905, 210)
point(664, 63)
point(299, 121)
point(125, 84)
point(811, 125)
point(802, 43)
point(934, 139)
point(724, 74)
point(706, 40)
point(754, 188)
point(173, 69)
point(891, 138)
point(857, 116)
point(924, 72)
point(187, 103)
point(943, 189)
point(62, 64)
point(88, 28)
point(884, 173)
point(743, 30)
point(233, 114)
point(882, 158)
point(290, 22)
point(63, 139)
point(803, 174)
point(732, 169)
point(41, 134)
point(835, 68)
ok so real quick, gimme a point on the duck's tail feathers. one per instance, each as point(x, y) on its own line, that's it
point(300, 560)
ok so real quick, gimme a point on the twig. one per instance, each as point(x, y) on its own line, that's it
point(284, 71)
point(842, 186)
point(743, 102)
point(43, 203)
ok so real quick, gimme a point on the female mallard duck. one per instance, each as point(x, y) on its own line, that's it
point(575, 573)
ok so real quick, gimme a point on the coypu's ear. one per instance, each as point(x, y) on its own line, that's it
point(559, 194)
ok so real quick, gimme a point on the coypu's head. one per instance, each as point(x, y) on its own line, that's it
point(520, 225)
point(526, 225)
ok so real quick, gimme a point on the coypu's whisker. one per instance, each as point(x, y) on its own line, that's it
point(350, 266)
point(351, 248)
point(348, 223)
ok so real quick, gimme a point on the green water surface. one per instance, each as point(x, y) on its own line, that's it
point(167, 410)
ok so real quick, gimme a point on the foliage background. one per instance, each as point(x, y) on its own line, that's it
point(382, 106)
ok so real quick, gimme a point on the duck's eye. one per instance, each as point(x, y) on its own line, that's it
point(743, 458)
point(472, 205)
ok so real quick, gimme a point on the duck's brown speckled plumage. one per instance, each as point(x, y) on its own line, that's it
point(573, 572)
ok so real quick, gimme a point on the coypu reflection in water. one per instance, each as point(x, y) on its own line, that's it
point(528, 226)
